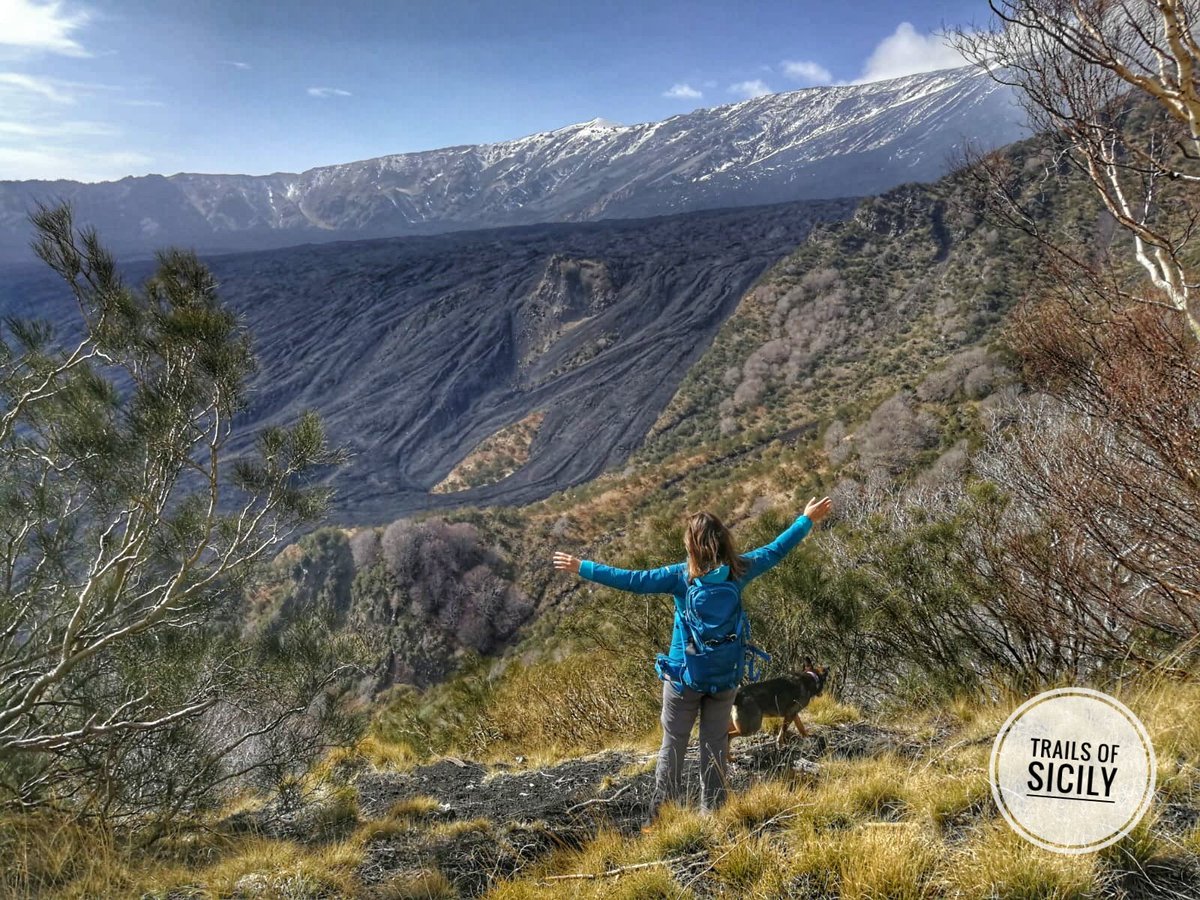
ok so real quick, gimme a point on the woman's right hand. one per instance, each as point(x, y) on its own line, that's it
point(817, 510)
point(565, 562)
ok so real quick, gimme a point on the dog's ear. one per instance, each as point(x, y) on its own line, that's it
point(808, 665)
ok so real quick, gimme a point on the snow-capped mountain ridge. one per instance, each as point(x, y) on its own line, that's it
point(807, 144)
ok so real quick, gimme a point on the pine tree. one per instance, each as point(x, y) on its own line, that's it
point(128, 532)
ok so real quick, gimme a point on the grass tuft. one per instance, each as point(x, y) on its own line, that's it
point(419, 807)
point(765, 802)
point(851, 791)
point(999, 863)
point(679, 830)
point(424, 885)
point(824, 710)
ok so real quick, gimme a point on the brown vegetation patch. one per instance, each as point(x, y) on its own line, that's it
point(495, 458)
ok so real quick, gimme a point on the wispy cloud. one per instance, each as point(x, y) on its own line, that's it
point(682, 91)
point(41, 27)
point(13, 84)
point(906, 51)
point(38, 137)
point(237, 64)
point(750, 89)
point(56, 129)
point(806, 71)
point(324, 92)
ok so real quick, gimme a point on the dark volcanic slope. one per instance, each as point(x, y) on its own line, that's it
point(416, 349)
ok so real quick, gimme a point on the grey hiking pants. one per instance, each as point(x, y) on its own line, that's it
point(678, 715)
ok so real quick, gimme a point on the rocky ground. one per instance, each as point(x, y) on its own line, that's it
point(476, 823)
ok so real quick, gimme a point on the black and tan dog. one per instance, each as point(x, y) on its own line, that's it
point(782, 697)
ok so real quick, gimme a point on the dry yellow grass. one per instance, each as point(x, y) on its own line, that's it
point(387, 755)
point(856, 790)
point(869, 860)
point(825, 710)
point(679, 830)
point(373, 751)
point(1170, 711)
point(884, 826)
point(892, 826)
point(898, 861)
point(746, 863)
point(607, 850)
point(423, 885)
point(998, 863)
point(46, 855)
point(461, 826)
point(327, 868)
point(765, 802)
point(413, 808)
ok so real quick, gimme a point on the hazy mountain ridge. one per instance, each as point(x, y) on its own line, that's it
point(815, 143)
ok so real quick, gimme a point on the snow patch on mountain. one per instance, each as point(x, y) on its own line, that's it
point(814, 143)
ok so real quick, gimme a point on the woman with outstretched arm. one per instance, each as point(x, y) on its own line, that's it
point(711, 560)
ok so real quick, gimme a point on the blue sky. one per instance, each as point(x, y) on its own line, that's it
point(100, 89)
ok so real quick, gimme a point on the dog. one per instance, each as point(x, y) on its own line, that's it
point(783, 697)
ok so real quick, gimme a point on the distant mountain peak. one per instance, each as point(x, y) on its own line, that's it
point(601, 123)
point(815, 143)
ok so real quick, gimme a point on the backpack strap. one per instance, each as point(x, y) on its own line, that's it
point(689, 618)
point(669, 672)
point(757, 660)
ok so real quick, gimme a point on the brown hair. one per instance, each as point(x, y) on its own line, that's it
point(709, 544)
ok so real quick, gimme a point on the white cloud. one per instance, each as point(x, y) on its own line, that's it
point(36, 139)
point(57, 129)
point(906, 52)
point(324, 92)
point(39, 139)
point(750, 89)
point(237, 64)
point(15, 83)
point(37, 27)
point(50, 163)
point(683, 91)
point(807, 71)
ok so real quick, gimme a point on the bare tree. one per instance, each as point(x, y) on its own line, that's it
point(126, 535)
point(1115, 83)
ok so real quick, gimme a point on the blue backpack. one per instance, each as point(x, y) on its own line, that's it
point(717, 649)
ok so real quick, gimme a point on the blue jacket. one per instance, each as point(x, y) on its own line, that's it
point(673, 579)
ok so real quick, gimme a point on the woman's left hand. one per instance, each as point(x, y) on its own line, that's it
point(565, 562)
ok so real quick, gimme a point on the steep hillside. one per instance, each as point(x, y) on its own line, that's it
point(816, 143)
point(867, 355)
point(416, 351)
point(859, 310)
